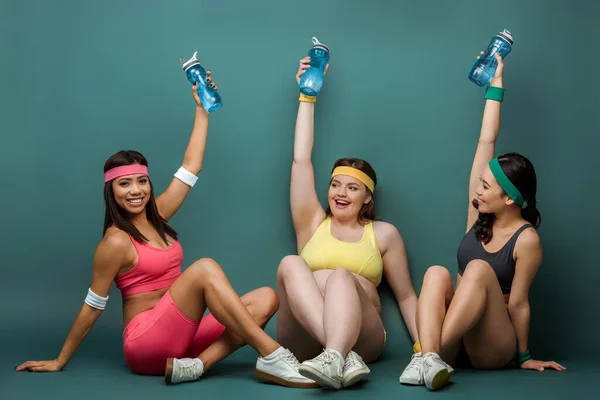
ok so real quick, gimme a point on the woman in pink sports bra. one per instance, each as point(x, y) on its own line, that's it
point(163, 307)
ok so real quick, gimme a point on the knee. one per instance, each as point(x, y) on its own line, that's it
point(477, 270)
point(205, 270)
point(340, 275)
point(269, 302)
point(288, 266)
point(438, 274)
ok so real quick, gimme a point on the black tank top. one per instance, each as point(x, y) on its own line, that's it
point(501, 261)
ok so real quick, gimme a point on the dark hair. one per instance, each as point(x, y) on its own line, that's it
point(367, 211)
point(115, 215)
point(521, 173)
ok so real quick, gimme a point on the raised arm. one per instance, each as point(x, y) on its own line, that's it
point(172, 198)
point(397, 273)
point(307, 212)
point(490, 127)
point(107, 262)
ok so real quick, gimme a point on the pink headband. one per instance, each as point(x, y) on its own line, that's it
point(124, 170)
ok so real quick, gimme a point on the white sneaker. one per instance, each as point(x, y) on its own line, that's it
point(436, 373)
point(326, 369)
point(183, 370)
point(412, 373)
point(354, 369)
point(281, 367)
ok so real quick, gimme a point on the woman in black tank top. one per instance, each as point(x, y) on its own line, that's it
point(487, 317)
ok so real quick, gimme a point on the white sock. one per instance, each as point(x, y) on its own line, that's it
point(274, 354)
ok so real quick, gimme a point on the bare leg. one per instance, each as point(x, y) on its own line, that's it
point(261, 304)
point(351, 320)
point(204, 285)
point(436, 294)
point(478, 316)
point(429, 367)
point(303, 302)
point(349, 316)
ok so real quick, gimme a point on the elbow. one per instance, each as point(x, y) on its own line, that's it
point(485, 141)
point(301, 160)
point(518, 307)
point(407, 298)
point(91, 312)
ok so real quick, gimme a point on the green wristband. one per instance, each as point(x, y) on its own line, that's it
point(494, 93)
point(524, 356)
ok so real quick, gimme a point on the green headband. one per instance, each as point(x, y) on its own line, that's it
point(505, 183)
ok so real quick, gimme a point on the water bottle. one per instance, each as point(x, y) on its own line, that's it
point(484, 68)
point(312, 79)
point(211, 100)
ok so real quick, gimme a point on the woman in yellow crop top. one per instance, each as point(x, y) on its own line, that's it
point(330, 309)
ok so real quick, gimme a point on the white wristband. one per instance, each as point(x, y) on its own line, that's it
point(186, 177)
point(93, 300)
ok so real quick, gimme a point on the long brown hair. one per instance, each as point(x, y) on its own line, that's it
point(367, 211)
point(115, 215)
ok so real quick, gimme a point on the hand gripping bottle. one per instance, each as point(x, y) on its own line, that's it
point(312, 79)
point(484, 68)
point(211, 100)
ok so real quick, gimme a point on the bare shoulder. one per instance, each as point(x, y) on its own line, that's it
point(115, 248)
point(387, 235)
point(528, 248)
point(529, 240)
point(115, 240)
point(385, 229)
point(114, 252)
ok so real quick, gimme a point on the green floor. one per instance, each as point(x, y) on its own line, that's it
point(99, 374)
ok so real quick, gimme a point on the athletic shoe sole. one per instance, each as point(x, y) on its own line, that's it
point(319, 377)
point(291, 384)
point(355, 376)
point(440, 380)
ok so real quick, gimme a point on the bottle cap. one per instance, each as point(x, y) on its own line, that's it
point(506, 35)
point(189, 63)
point(316, 43)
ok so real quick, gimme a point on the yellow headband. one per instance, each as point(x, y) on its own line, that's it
point(355, 173)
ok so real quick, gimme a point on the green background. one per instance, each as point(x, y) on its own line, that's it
point(82, 80)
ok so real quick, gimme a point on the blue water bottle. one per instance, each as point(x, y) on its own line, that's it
point(484, 68)
point(312, 79)
point(211, 100)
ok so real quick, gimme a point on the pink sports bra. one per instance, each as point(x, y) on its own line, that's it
point(156, 268)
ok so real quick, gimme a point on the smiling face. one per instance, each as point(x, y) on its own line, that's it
point(346, 196)
point(132, 192)
point(489, 196)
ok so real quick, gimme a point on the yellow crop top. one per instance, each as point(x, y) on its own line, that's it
point(323, 251)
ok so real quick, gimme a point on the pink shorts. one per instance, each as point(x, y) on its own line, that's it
point(163, 332)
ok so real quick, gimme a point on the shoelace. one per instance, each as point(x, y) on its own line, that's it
point(325, 358)
point(415, 363)
point(188, 369)
point(291, 359)
point(351, 360)
point(428, 360)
